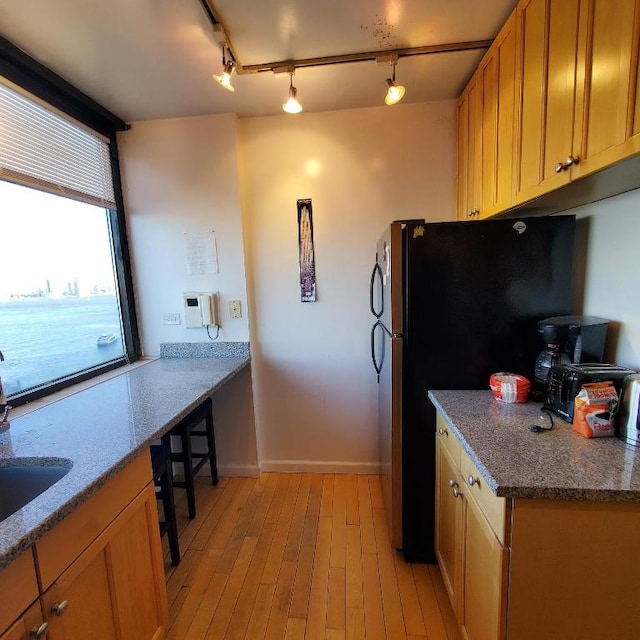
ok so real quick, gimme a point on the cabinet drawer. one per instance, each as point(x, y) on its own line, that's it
point(63, 544)
point(18, 588)
point(448, 440)
point(493, 507)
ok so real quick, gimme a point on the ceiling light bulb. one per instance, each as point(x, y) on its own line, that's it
point(224, 79)
point(292, 105)
point(394, 93)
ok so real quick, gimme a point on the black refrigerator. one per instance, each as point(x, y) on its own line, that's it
point(453, 302)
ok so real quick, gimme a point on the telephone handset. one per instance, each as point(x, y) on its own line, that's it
point(200, 310)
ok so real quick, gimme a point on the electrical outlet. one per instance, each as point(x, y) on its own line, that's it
point(235, 310)
point(171, 318)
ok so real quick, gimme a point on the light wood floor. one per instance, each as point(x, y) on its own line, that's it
point(298, 556)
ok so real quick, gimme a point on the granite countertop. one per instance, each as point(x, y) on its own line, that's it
point(100, 430)
point(556, 464)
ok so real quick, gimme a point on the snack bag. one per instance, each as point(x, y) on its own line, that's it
point(594, 410)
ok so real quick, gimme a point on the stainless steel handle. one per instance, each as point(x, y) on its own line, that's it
point(456, 490)
point(452, 483)
point(471, 481)
point(60, 607)
point(38, 632)
point(443, 432)
point(569, 162)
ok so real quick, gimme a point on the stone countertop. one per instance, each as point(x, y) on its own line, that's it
point(100, 430)
point(557, 464)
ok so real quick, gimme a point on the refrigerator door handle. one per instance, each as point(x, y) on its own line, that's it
point(377, 365)
point(377, 271)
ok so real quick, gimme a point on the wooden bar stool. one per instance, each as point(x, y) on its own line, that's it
point(185, 430)
point(163, 480)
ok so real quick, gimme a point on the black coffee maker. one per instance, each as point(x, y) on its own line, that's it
point(568, 340)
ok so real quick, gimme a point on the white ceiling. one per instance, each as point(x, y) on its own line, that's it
point(150, 59)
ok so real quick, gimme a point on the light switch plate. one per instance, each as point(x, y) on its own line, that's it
point(171, 318)
point(235, 310)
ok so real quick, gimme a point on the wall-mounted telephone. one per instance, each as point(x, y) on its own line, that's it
point(200, 310)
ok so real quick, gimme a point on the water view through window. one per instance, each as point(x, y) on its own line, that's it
point(59, 311)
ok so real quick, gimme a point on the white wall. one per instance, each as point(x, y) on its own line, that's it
point(181, 176)
point(611, 233)
point(314, 385)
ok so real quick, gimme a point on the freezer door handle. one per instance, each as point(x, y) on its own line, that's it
point(377, 271)
point(377, 365)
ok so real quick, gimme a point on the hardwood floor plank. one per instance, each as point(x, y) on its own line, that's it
point(278, 614)
point(353, 514)
point(326, 506)
point(339, 523)
point(304, 566)
point(336, 599)
point(355, 624)
point(365, 513)
point(334, 634)
point(257, 626)
point(297, 521)
point(198, 629)
point(373, 617)
point(444, 604)
point(317, 616)
point(295, 629)
point(260, 514)
point(354, 594)
point(276, 552)
point(283, 480)
point(377, 502)
point(229, 520)
point(393, 616)
point(411, 610)
point(431, 615)
point(226, 606)
point(244, 604)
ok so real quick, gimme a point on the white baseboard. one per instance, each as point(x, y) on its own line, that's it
point(311, 466)
point(238, 471)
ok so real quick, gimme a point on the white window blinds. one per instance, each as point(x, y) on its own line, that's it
point(41, 149)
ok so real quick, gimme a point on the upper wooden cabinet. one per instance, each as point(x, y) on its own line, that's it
point(498, 90)
point(547, 51)
point(560, 100)
point(607, 129)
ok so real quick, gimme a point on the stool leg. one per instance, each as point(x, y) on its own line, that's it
point(187, 463)
point(169, 507)
point(211, 442)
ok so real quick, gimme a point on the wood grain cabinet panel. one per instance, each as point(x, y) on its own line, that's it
point(26, 626)
point(469, 170)
point(115, 589)
point(18, 588)
point(607, 87)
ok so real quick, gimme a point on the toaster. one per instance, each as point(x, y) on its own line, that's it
point(566, 380)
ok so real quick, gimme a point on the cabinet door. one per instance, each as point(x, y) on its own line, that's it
point(462, 199)
point(548, 44)
point(27, 626)
point(474, 182)
point(115, 589)
point(498, 90)
point(485, 578)
point(608, 64)
point(449, 522)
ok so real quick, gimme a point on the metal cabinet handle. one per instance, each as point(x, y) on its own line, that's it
point(471, 481)
point(60, 607)
point(456, 491)
point(38, 632)
point(443, 432)
point(569, 162)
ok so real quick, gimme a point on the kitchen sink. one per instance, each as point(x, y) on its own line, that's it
point(23, 479)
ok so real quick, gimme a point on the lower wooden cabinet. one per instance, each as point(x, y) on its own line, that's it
point(472, 560)
point(100, 570)
point(113, 590)
point(533, 569)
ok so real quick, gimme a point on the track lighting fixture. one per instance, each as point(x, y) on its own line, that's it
point(394, 91)
point(292, 105)
point(224, 79)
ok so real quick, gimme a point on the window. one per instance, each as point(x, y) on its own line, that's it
point(66, 310)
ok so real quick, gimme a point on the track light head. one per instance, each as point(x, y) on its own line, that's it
point(224, 79)
point(395, 92)
point(292, 105)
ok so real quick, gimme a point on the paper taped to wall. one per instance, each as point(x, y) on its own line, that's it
point(201, 252)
